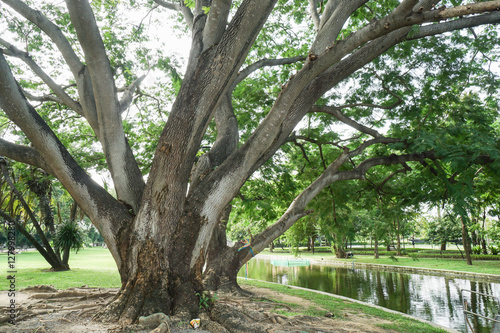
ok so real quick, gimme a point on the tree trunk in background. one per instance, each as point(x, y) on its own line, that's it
point(443, 246)
point(466, 242)
point(376, 248)
point(483, 239)
point(398, 237)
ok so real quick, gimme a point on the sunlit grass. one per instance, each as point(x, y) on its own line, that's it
point(336, 306)
point(93, 267)
point(478, 266)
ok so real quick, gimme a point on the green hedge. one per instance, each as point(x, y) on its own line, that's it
point(458, 256)
point(431, 254)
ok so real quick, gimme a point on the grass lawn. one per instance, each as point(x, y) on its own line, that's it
point(478, 266)
point(93, 267)
point(336, 306)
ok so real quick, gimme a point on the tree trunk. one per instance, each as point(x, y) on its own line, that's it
point(483, 239)
point(466, 241)
point(65, 257)
point(157, 276)
point(443, 246)
point(339, 251)
point(398, 237)
point(376, 248)
point(271, 247)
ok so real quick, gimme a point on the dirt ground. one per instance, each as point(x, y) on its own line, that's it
point(45, 309)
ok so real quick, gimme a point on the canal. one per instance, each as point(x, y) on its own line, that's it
point(434, 298)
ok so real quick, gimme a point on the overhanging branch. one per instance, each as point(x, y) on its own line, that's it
point(23, 154)
point(334, 111)
point(296, 210)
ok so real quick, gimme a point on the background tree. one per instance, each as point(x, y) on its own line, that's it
point(28, 195)
point(162, 231)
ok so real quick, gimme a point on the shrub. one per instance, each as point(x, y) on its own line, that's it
point(476, 249)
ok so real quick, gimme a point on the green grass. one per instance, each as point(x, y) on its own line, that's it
point(335, 305)
point(93, 267)
point(478, 266)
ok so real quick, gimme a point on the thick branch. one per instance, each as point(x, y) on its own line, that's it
point(123, 167)
point(461, 23)
point(105, 212)
point(216, 22)
point(23, 154)
point(469, 9)
point(296, 210)
point(336, 13)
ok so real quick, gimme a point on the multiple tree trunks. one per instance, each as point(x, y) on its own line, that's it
point(166, 235)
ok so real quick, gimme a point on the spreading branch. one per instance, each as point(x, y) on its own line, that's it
point(23, 154)
point(123, 167)
point(243, 74)
point(334, 111)
point(54, 33)
point(106, 212)
point(216, 22)
point(331, 175)
point(62, 96)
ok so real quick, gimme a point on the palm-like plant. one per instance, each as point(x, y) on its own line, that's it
point(68, 236)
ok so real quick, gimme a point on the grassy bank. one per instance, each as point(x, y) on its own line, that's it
point(93, 267)
point(336, 306)
point(479, 266)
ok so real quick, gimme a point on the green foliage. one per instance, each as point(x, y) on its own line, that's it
point(476, 249)
point(494, 249)
point(414, 256)
point(69, 236)
point(206, 299)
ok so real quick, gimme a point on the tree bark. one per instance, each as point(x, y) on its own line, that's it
point(466, 242)
point(398, 236)
point(162, 245)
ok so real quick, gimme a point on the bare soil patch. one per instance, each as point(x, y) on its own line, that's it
point(45, 309)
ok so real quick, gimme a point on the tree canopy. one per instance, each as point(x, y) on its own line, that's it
point(294, 95)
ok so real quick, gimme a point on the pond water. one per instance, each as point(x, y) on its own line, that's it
point(434, 298)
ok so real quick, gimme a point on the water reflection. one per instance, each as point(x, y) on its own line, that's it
point(434, 298)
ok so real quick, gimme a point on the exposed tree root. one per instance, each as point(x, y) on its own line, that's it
point(261, 312)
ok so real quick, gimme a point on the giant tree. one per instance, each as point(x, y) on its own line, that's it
point(162, 231)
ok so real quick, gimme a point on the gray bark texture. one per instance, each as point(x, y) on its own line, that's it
point(167, 235)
